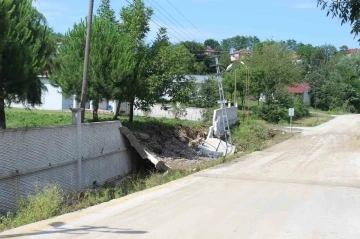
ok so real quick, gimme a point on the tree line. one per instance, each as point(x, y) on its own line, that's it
point(125, 68)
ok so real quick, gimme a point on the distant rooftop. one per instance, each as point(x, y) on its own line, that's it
point(300, 88)
point(352, 51)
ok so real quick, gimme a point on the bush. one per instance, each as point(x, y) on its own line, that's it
point(301, 110)
point(251, 135)
point(44, 204)
point(272, 112)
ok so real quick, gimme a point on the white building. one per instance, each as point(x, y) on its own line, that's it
point(53, 99)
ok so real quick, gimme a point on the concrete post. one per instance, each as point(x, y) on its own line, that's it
point(236, 104)
point(76, 112)
point(74, 102)
point(229, 104)
point(91, 105)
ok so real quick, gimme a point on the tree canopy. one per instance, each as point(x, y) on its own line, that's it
point(26, 45)
point(347, 10)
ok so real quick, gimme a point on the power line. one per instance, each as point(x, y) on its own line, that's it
point(173, 18)
point(169, 27)
point(167, 32)
point(187, 19)
point(157, 23)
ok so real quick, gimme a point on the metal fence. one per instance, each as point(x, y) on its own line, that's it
point(40, 156)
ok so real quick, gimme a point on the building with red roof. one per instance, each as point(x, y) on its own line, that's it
point(352, 51)
point(303, 90)
point(240, 55)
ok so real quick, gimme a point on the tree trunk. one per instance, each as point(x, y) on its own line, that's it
point(2, 111)
point(95, 111)
point(117, 110)
point(131, 114)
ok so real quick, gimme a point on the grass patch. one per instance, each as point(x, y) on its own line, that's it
point(52, 201)
point(21, 118)
point(311, 121)
point(328, 112)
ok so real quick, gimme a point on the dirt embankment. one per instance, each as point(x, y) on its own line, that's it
point(176, 145)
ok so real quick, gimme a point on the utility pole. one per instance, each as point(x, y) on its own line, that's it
point(235, 95)
point(86, 60)
point(222, 102)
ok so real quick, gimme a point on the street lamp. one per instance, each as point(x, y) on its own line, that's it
point(247, 82)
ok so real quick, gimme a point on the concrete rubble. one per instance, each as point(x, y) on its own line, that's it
point(145, 155)
point(214, 146)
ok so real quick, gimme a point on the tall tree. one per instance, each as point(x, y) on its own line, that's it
point(135, 22)
point(25, 48)
point(346, 10)
point(106, 11)
point(204, 62)
point(240, 42)
point(110, 63)
point(344, 48)
point(277, 67)
point(214, 44)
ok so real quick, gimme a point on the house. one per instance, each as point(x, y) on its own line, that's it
point(240, 55)
point(352, 51)
point(302, 90)
point(53, 99)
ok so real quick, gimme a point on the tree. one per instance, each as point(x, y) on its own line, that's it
point(344, 48)
point(240, 42)
point(277, 67)
point(206, 94)
point(135, 22)
point(203, 64)
point(111, 61)
point(168, 70)
point(346, 10)
point(25, 48)
point(106, 11)
point(291, 44)
point(214, 44)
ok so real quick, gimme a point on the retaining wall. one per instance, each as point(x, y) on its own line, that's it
point(40, 156)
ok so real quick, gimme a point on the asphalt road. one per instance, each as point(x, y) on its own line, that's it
point(305, 187)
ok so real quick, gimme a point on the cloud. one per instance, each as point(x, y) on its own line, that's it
point(303, 4)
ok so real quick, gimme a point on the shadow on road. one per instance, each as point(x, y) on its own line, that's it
point(82, 230)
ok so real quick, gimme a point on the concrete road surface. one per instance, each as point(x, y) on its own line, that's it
point(306, 187)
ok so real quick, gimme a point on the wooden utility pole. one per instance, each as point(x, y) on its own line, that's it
point(86, 60)
point(235, 95)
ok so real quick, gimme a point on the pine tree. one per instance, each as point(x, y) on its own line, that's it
point(25, 48)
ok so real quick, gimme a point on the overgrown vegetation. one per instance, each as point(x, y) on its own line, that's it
point(53, 201)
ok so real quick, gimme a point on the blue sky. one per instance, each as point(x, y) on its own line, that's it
point(277, 19)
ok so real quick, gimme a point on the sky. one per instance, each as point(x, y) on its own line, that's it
point(198, 20)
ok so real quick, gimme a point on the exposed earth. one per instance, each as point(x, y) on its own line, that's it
point(176, 146)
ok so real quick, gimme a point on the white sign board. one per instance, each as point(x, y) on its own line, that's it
point(291, 112)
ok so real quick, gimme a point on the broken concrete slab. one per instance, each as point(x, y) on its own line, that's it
point(215, 148)
point(159, 165)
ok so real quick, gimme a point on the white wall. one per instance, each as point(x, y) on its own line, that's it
point(194, 114)
point(232, 115)
point(52, 99)
point(306, 97)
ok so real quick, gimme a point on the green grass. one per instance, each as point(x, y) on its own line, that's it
point(20, 118)
point(329, 112)
point(312, 121)
point(52, 201)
